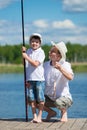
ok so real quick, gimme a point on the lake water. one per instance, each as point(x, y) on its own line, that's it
point(12, 101)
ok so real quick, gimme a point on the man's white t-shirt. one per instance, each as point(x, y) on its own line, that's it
point(53, 75)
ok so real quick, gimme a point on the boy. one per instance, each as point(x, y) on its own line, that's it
point(34, 57)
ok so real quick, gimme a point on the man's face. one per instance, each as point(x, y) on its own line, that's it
point(54, 54)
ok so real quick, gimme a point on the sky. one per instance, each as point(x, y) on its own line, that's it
point(55, 20)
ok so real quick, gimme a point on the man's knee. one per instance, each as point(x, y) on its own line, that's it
point(63, 102)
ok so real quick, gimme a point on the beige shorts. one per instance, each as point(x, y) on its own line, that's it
point(60, 103)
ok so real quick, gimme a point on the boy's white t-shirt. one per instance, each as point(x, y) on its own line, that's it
point(35, 73)
point(53, 75)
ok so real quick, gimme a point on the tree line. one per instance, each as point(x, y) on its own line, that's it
point(12, 53)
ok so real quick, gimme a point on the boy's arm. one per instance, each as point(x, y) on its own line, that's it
point(32, 62)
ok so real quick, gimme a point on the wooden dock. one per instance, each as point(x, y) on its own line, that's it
point(54, 124)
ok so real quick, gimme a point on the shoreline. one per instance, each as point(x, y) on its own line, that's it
point(11, 68)
point(19, 68)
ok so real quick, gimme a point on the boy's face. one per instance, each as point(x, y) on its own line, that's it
point(54, 54)
point(35, 43)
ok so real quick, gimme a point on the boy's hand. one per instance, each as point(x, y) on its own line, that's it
point(27, 84)
point(23, 49)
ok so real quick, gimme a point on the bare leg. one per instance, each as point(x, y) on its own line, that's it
point(40, 107)
point(50, 112)
point(33, 105)
point(63, 115)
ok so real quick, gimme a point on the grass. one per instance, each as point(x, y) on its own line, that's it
point(14, 68)
point(79, 67)
point(11, 68)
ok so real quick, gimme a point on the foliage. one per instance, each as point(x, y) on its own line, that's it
point(12, 53)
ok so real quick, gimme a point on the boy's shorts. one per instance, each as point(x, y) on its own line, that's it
point(36, 91)
point(60, 103)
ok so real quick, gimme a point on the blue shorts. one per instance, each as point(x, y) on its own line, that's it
point(36, 91)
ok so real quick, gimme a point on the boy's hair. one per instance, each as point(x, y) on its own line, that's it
point(36, 36)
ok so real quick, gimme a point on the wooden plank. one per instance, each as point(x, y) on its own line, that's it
point(21, 125)
point(78, 124)
point(84, 126)
point(9, 124)
point(3, 124)
point(55, 124)
point(72, 124)
point(66, 125)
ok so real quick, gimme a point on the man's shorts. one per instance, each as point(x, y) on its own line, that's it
point(36, 91)
point(60, 103)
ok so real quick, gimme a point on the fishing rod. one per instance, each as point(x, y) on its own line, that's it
point(25, 89)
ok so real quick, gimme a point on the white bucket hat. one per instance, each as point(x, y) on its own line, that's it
point(36, 34)
point(61, 47)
